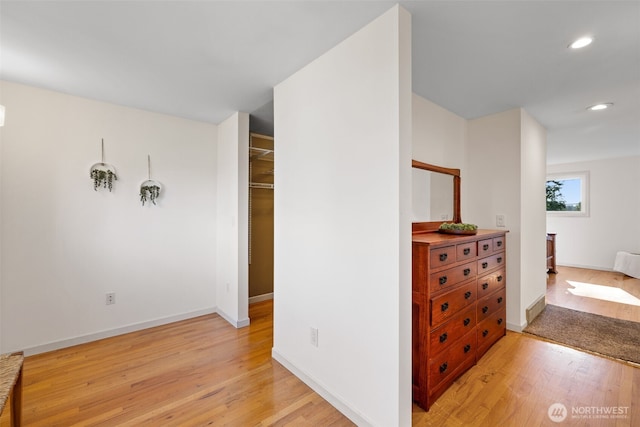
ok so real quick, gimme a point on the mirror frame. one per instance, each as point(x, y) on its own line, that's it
point(423, 227)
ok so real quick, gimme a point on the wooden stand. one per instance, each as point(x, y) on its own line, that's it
point(551, 253)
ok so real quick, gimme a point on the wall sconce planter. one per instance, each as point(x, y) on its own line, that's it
point(149, 189)
point(103, 174)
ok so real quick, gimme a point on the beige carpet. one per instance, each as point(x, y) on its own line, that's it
point(615, 338)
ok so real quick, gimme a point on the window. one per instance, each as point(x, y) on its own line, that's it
point(568, 194)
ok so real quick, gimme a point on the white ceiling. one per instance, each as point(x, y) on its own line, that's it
point(204, 60)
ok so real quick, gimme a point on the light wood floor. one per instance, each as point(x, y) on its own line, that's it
point(196, 372)
point(204, 372)
point(568, 287)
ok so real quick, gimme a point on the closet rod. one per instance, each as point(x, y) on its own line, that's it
point(261, 185)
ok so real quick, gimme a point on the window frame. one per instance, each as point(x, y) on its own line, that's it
point(583, 176)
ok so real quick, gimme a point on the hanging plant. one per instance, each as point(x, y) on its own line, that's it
point(149, 189)
point(103, 174)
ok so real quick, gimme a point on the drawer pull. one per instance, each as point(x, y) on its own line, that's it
point(485, 309)
point(467, 348)
point(443, 280)
point(443, 367)
point(466, 251)
point(443, 257)
point(499, 300)
point(467, 271)
point(466, 321)
point(485, 247)
point(499, 278)
point(500, 321)
point(444, 337)
point(499, 259)
point(485, 286)
point(444, 307)
point(485, 264)
point(499, 243)
point(485, 333)
point(467, 295)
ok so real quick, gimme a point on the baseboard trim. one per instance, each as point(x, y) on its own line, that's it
point(241, 323)
point(588, 267)
point(515, 328)
point(260, 298)
point(335, 401)
point(83, 339)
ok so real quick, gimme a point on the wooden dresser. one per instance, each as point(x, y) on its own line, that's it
point(459, 306)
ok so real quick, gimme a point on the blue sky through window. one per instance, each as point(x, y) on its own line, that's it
point(571, 190)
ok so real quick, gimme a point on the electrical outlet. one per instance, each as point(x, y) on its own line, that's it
point(110, 298)
point(314, 337)
point(500, 220)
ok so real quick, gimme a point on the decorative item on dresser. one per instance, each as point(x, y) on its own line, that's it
point(458, 301)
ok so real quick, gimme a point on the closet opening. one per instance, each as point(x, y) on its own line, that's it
point(261, 188)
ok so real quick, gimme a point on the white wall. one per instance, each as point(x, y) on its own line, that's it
point(439, 136)
point(1, 138)
point(504, 169)
point(612, 224)
point(492, 186)
point(533, 261)
point(233, 211)
point(342, 223)
point(65, 245)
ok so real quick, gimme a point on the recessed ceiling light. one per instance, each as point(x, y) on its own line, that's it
point(598, 107)
point(581, 42)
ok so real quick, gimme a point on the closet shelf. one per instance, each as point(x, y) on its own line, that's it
point(256, 153)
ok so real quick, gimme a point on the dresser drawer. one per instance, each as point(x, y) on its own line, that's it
point(445, 364)
point(485, 247)
point(491, 304)
point(490, 330)
point(449, 304)
point(452, 276)
point(491, 283)
point(489, 263)
point(439, 257)
point(498, 243)
point(466, 251)
point(452, 330)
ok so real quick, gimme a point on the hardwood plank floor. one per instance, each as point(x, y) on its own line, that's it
point(203, 371)
point(196, 372)
point(520, 377)
point(595, 291)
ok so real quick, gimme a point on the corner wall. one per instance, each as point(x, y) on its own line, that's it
point(64, 245)
point(505, 175)
point(342, 233)
point(233, 219)
point(533, 261)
